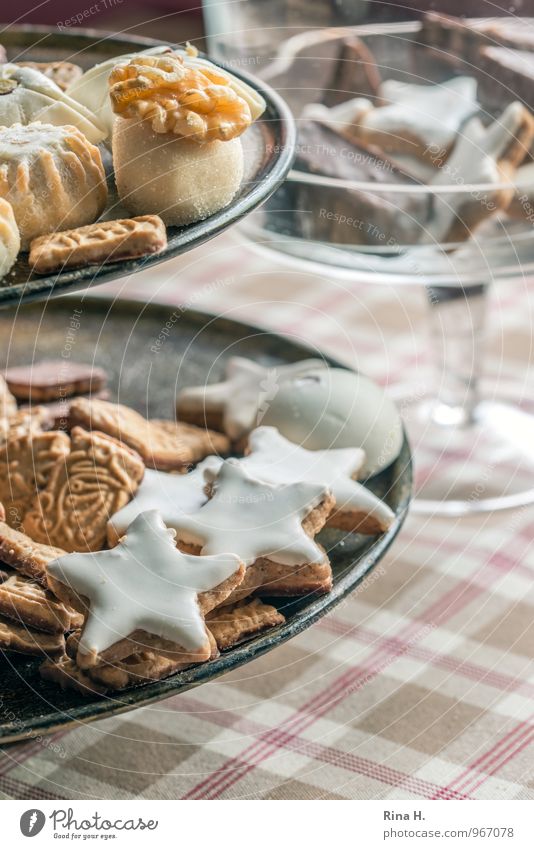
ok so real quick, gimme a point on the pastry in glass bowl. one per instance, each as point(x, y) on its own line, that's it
point(176, 146)
point(53, 178)
point(28, 95)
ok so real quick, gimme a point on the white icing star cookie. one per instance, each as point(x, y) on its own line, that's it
point(411, 119)
point(243, 396)
point(255, 519)
point(144, 583)
point(482, 156)
point(172, 495)
point(277, 460)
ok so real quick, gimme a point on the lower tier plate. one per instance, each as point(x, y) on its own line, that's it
point(149, 351)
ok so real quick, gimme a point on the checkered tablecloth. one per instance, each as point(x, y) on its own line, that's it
point(418, 686)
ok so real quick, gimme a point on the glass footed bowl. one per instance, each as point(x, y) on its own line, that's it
point(390, 229)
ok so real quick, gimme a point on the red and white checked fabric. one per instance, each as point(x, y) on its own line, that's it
point(420, 685)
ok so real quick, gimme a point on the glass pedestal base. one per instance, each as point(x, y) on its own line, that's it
point(469, 464)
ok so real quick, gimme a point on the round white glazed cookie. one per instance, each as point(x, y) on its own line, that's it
point(9, 237)
point(91, 89)
point(335, 408)
point(27, 95)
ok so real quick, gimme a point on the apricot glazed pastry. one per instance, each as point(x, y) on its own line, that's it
point(176, 138)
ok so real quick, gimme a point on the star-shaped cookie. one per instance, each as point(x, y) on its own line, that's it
point(485, 155)
point(236, 404)
point(144, 593)
point(269, 526)
point(172, 495)
point(274, 458)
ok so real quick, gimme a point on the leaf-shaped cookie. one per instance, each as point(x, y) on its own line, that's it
point(96, 479)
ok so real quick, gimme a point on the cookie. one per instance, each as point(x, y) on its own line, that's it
point(355, 73)
point(59, 411)
point(96, 244)
point(458, 42)
point(411, 120)
point(26, 602)
point(26, 463)
point(273, 458)
point(24, 422)
point(8, 403)
point(482, 155)
point(309, 403)
point(19, 638)
point(49, 380)
point(506, 73)
point(63, 74)
point(173, 495)
point(85, 488)
point(235, 623)
point(163, 445)
point(237, 404)
point(353, 216)
point(269, 526)
point(26, 556)
point(140, 667)
point(144, 594)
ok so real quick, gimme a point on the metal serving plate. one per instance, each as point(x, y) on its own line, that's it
point(268, 147)
point(121, 337)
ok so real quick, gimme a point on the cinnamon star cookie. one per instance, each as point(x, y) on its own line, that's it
point(235, 405)
point(273, 458)
point(271, 528)
point(172, 495)
point(144, 593)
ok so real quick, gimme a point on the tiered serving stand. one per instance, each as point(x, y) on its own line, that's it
point(119, 335)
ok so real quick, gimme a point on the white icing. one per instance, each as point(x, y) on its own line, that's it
point(433, 113)
point(145, 583)
point(244, 394)
point(336, 408)
point(277, 460)
point(309, 403)
point(474, 160)
point(172, 495)
point(255, 518)
point(37, 98)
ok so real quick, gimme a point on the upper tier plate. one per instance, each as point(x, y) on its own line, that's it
point(268, 145)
